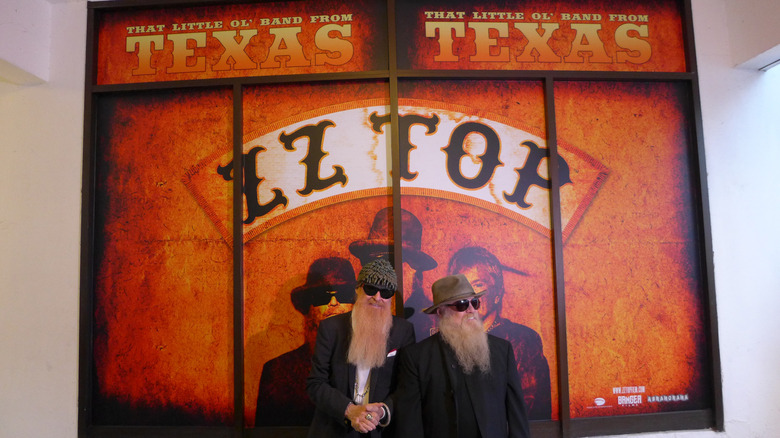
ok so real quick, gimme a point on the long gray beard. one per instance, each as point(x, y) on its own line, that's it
point(469, 342)
point(370, 330)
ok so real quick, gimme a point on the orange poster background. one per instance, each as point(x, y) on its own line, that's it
point(416, 51)
point(115, 64)
point(163, 300)
point(632, 268)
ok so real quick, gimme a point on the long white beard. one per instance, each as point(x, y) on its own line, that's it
point(469, 342)
point(370, 330)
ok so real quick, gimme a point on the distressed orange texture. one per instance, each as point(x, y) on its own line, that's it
point(633, 281)
point(163, 331)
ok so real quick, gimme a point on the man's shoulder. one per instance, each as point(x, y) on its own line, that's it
point(509, 325)
point(425, 344)
point(336, 321)
point(290, 360)
point(498, 342)
point(402, 323)
point(517, 332)
point(292, 355)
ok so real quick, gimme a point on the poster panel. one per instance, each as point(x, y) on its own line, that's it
point(592, 35)
point(475, 190)
point(472, 146)
point(315, 175)
point(633, 276)
point(163, 307)
point(241, 40)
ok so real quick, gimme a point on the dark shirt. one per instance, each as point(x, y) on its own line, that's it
point(467, 420)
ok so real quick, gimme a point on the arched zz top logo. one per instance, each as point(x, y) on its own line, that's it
point(341, 153)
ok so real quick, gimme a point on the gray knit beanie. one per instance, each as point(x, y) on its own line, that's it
point(378, 273)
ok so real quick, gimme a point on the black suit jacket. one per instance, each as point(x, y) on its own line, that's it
point(281, 397)
point(331, 382)
point(428, 375)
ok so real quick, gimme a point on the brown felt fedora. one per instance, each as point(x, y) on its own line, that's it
point(449, 289)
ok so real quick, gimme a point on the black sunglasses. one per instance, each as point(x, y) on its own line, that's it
point(371, 291)
point(323, 296)
point(462, 305)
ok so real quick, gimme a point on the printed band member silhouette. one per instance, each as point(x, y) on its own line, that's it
point(352, 379)
point(486, 275)
point(460, 382)
point(281, 398)
point(415, 262)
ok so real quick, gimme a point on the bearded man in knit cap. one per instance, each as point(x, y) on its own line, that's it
point(352, 379)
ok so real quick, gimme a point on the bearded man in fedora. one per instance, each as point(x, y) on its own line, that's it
point(379, 244)
point(281, 397)
point(460, 382)
point(486, 274)
point(352, 378)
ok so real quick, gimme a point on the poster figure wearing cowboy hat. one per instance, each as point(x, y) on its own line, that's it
point(486, 274)
point(281, 398)
point(415, 261)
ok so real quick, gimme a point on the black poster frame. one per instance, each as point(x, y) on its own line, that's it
point(565, 426)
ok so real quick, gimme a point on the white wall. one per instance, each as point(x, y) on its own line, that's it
point(755, 35)
point(40, 206)
point(25, 32)
point(40, 195)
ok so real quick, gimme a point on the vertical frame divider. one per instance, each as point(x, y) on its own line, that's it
point(558, 278)
point(705, 236)
point(687, 29)
point(86, 284)
point(238, 260)
point(705, 230)
point(395, 151)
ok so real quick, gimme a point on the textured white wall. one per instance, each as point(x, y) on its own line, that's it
point(40, 206)
point(741, 116)
point(754, 31)
point(25, 34)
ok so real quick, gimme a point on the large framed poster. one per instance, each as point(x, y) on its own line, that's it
point(244, 160)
